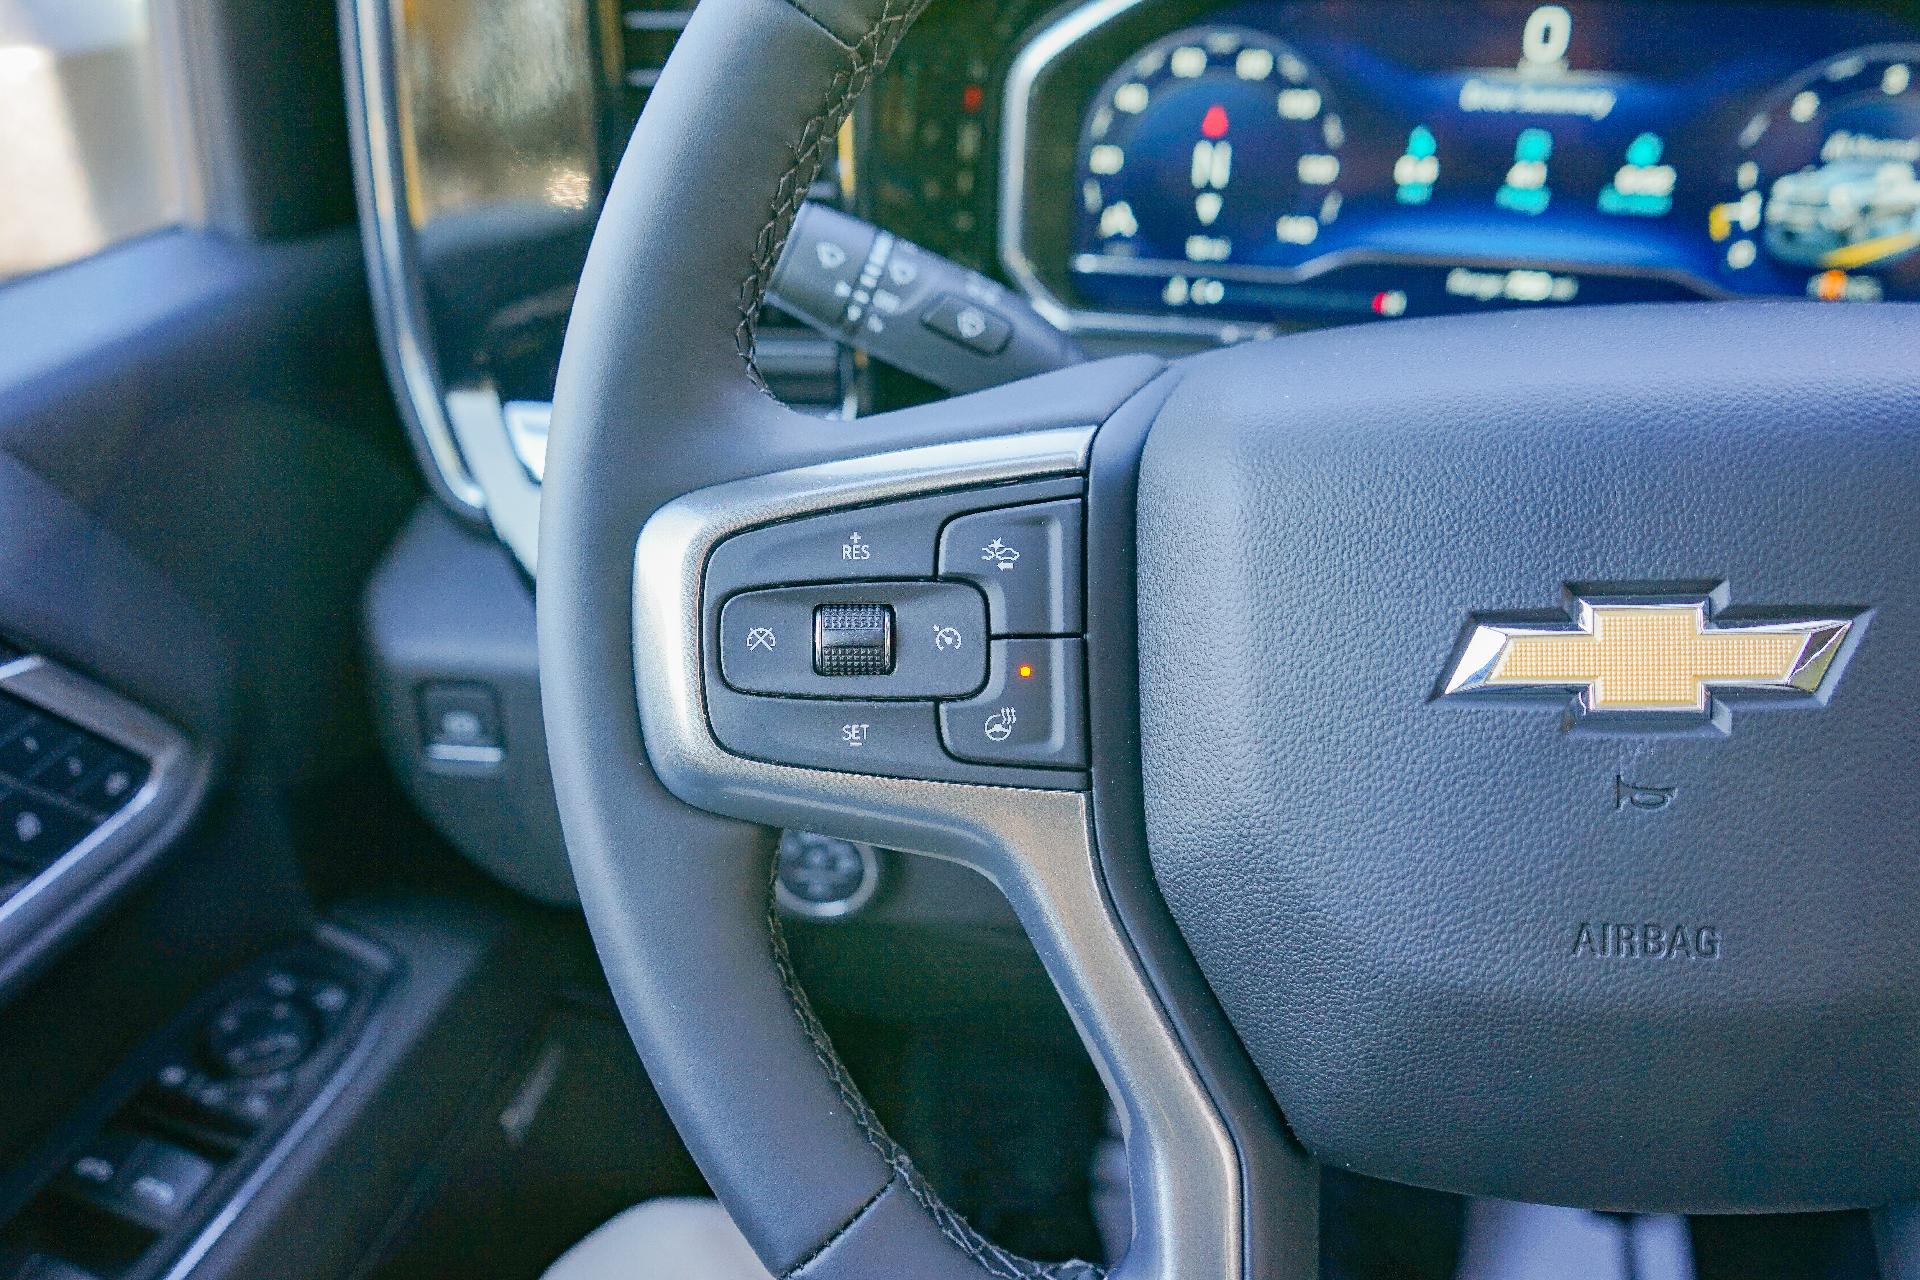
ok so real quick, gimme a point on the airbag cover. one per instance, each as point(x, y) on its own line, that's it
point(1387, 890)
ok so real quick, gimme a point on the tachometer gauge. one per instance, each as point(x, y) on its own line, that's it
point(1215, 144)
point(1826, 185)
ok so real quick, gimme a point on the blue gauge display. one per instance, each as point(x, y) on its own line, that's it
point(1346, 158)
point(1823, 196)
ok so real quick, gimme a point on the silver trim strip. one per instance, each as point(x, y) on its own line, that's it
point(481, 428)
point(1037, 846)
point(528, 424)
point(452, 753)
point(59, 692)
point(399, 308)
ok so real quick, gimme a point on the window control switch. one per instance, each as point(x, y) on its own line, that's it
point(141, 1180)
point(35, 831)
point(100, 1165)
point(44, 1266)
point(162, 1182)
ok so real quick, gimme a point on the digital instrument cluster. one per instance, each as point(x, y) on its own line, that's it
point(1321, 160)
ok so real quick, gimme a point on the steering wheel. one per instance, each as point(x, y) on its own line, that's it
point(1498, 732)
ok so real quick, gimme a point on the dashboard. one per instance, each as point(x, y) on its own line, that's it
point(1154, 175)
point(1142, 167)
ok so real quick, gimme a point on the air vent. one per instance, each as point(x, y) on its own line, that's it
point(648, 30)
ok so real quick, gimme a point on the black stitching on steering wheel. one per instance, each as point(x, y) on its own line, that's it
point(809, 152)
point(864, 61)
point(991, 1258)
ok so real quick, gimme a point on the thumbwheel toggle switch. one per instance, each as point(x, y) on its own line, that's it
point(853, 639)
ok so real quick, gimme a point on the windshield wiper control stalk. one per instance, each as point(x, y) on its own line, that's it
point(910, 307)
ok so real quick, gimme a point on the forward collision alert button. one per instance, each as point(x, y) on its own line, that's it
point(1028, 561)
point(1032, 712)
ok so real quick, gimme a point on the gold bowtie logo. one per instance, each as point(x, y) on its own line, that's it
point(1619, 657)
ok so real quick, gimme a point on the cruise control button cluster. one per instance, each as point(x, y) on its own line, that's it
point(931, 638)
point(876, 640)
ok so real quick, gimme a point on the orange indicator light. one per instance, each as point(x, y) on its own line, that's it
point(1026, 671)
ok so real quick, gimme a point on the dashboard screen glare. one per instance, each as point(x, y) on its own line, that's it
point(1332, 157)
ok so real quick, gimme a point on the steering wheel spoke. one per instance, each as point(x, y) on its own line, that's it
point(960, 565)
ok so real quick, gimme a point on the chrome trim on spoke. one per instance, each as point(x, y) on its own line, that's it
point(484, 432)
point(1037, 846)
point(528, 422)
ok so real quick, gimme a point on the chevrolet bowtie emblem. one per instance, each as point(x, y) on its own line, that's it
point(1647, 660)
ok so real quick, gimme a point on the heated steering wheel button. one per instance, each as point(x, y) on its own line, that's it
point(1032, 712)
point(905, 640)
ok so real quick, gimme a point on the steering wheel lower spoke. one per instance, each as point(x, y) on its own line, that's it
point(718, 608)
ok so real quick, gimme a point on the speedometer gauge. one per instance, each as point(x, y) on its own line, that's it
point(1215, 144)
point(1827, 182)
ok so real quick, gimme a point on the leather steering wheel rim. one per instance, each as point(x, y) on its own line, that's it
point(658, 397)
